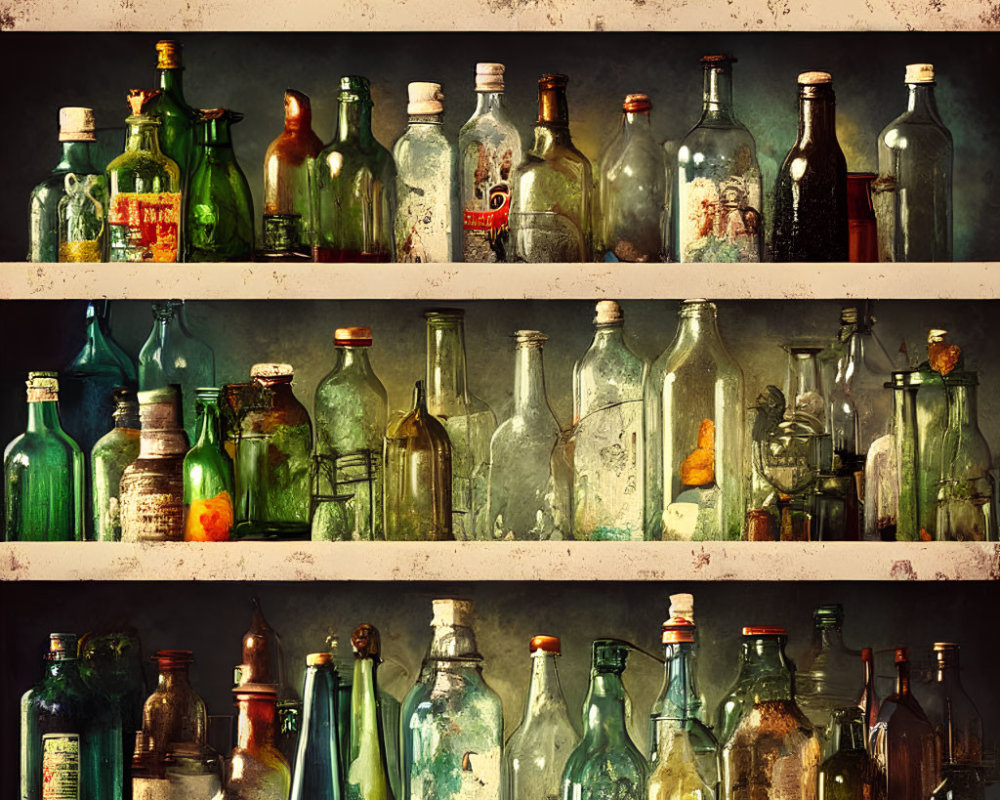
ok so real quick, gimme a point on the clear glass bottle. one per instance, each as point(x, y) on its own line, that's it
point(810, 196)
point(608, 437)
point(719, 190)
point(551, 199)
point(694, 421)
point(452, 721)
point(218, 207)
point(351, 408)
point(368, 773)
point(489, 147)
point(425, 180)
point(208, 477)
point(354, 188)
point(178, 119)
point(317, 774)
point(956, 721)
point(144, 186)
point(111, 454)
point(632, 189)
point(913, 191)
point(257, 769)
point(174, 714)
point(528, 490)
point(417, 487)
point(468, 420)
point(536, 752)
point(846, 774)
point(43, 473)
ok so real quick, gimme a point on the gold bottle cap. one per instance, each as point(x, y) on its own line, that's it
point(608, 312)
point(138, 99)
point(424, 98)
point(489, 76)
point(545, 643)
point(919, 73)
point(318, 659)
point(168, 55)
point(267, 371)
point(452, 611)
point(637, 104)
point(355, 337)
point(76, 124)
point(814, 78)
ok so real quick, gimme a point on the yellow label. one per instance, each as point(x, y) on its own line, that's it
point(87, 251)
point(61, 766)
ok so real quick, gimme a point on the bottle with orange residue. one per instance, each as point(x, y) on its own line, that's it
point(208, 477)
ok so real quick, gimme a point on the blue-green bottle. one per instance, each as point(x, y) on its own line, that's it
point(317, 772)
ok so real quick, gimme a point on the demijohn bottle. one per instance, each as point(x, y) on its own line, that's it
point(114, 451)
point(208, 477)
point(368, 771)
point(178, 119)
point(317, 773)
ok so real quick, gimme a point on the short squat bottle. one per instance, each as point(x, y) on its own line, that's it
point(208, 477)
point(111, 454)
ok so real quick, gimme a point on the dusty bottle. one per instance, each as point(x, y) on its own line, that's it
point(257, 769)
point(111, 454)
point(318, 770)
point(368, 773)
point(680, 613)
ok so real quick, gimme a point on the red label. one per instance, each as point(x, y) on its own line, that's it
point(152, 220)
point(494, 221)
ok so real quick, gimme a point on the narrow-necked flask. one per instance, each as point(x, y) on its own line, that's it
point(208, 477)
point(368, 771)
point(177, 135)
point(846, 774)
point(317, 772)
point(958, 726)
point(114, 451)
point(257, 769)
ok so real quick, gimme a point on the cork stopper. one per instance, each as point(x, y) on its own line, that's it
point(545, 644)
point(425, 98)
point(919, 73)
point(43, 387)
point(637, 104)
point(168, 54)
point(159, 409)
point(271, 371)
point(452, 612)
point(138, 99)
point(608, 313)
point(353, 337)
point(525, 338)
point(814, 78)
point(936, 335)
point(76, 124)
point(318, 659)
point(682, 605)
point(489, 76)
point(366, 642)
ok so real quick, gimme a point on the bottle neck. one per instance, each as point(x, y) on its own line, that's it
point(172, 679)
point(256, 723)
point(848, 733)
point(172, 82)
point(446, 367)
point(961, 405)
point(766, 667)
point(717, 94)
point(636, 122)
point(299, 120)
point(354, 121)
point(605, 707)
point(903, 679)
point(43, 416)
point(698, 324)
point(817, 115)
point(143, 136)
point(352, 358)
point(210, 427)
point(76, 157)
point(829, 637)
point(948, 668)
point(454, 642)
point(126, 415)
point(366, 725)
point(681, 694)
point(544, 688)
point(529, 379)
point(490, 103)
point(608, 336)
point(424, 120)
point(215, 135)
point(920, 100)
point(549, 137)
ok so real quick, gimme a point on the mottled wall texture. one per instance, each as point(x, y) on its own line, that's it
point(249, 72)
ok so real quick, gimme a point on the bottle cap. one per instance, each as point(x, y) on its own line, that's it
point(489, 76)
point(318, 659)
point(530, 337)
point(828, 615)
point(43, 387)
point(637, 104)
point(353, 337)
point(867, 654)
point(452, 612)
point(848, 315)
point(63, 644)
point(678, 630)
point(76, 124)
point(138, 99)
point(271, 371)
point(682, 605)
point(718, 59)
point(355, 85)
point(814, 78)
point(935, 335)
point(943, 646)
point(763, 630)
point(171, 659)
point(547, 644)
point(919, 73)
point(366, 642)
point(424, 98)
point(168, 54)
point(902, 656)
point(608, 312)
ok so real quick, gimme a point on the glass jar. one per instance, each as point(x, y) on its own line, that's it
point(208, 477)
point(110, 455)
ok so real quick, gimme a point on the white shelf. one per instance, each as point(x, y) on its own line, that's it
point(23, 281)
point(499, 561)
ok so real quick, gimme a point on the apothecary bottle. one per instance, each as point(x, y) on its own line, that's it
point(417, 487)
point(43, 472)
point(425, 180)
point(529, 481)
point(914, 188)
point(174, 714)
point(178, 119)
point(694, 422)
point(846, 774)
point(351, 409)
point(719, 197)
point(810, 196)
point(257, 769)
point(144, 186)
point(551, 199)
point(452, 721)
point(355, 185)
point(489, 147)
point(208, 477)
point(288, 165)
point(111, 454)
point(317, 773)
point(608, 435)
point(152, 486)
point(468, 420)
point(536, 752)
point(632, 189)
point(218, 207)
point(958, 725)
point(368, 774)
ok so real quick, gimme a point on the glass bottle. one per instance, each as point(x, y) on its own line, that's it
point(257, 769)
point(288, 165)
point(903, 743)
point(75, 169)
point(174, 714)
point(632, 189)
point(368, 774)
point(452, 721)
point(868, 700)
point(680, 613)
point(951, 711)
point(810, 196)
point(351, 408)
point(272, 459)
point(551, 198)
point(43, 472)
point(468, 420)
point(489, 147)
point(104, 320)
point(528, 489)
point(605, 763)
point(174, 355)
point(83, 233)
point(317, 772)
point(152, 486)
point(417, 488)
point(218, 207)
point(536, 752)
point(719, 190)
point(862, 239)
point(144, 186)
point(177, 117)
point(693, 416)
point(112, 453)
point(208, 477)
point(608, 436)
point(355, 185)
point(847, 774)
point(913, 191)
point(425, 180)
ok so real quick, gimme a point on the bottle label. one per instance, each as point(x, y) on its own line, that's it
point(145, 226)
point(720, 220)
point(493, 222)
point(61, 766)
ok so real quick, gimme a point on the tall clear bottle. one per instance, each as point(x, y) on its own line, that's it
point(317, 773)
point(720, 195)
point(913, 191)
point(632, 190)
point(177, 117)
point(609, 439)
point(257, 769)
point(368, 772)
point(351, 409)
point(552, 196)
point(452, 721)
point(208, 477)
point(693, 412)
point(529, 483)
point(425, 180)
point(846, 774)
point(489, 147)
point(111, 454)
point(536, 752)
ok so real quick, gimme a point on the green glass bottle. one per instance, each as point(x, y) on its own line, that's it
point(218, 207)
point(368, 773)
point(114, 451)
point(847, 773)
point(43, 472)
point(177, 117)
point(208, 477)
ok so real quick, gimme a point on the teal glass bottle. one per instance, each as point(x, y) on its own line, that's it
point(177, 118)
point(218, 206)
point(847, 773)
point(605, 764)
point(114, 451)
point(43, 473)
point(317, 772)
point(208, 477)
point(368, 773)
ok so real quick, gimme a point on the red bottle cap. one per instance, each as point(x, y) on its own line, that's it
point(354, 337)
point(763, 630)
point(901, 655)
point(547, 644)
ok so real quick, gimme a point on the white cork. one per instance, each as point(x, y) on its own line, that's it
point(489, 76)
point(452, 612)
point(935, 335)
point(76, 124)
point(919, 73)
point(682, 605)
point(424, 98)
point(271, 370)
point(608, 312)
point(813, 78)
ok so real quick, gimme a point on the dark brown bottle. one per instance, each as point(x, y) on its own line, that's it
point(810, 196)
point(862, 232)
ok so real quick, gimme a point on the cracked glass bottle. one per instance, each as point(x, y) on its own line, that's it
point(208, 477)
point(317, 773)
point(719, 191)
point(551, 200)
point(608, 436)
point(368, 771)
point(111, 454)
point(178, 119)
